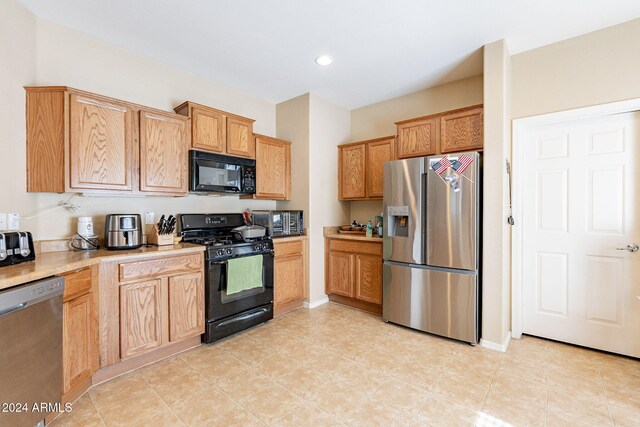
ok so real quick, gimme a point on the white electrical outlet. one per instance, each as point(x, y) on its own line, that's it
point(3, 221)
point(13, 221)
point(149, 218)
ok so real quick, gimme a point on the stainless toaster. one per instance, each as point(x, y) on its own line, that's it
point(122, 231)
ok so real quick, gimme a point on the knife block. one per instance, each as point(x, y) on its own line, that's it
point(160, 239)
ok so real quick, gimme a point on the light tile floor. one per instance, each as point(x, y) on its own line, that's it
point(337, 366)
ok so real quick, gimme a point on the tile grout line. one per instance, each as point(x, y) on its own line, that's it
point(604, 390)
point(94, 407)
point(162, 400)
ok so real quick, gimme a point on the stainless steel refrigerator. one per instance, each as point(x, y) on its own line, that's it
point(431, 244)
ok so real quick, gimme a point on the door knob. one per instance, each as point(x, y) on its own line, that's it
point(632, 247)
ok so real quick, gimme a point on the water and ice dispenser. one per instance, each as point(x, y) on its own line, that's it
point(398, 221)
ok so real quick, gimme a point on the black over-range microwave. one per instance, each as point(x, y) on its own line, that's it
point(215, 173)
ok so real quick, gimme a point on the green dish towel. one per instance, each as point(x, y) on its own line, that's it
point(244, 273)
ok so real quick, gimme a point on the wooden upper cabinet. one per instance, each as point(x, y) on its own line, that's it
point(140, 317)
point(164, 145)
point(441, 133)
point(46, 140)
point(186, 306)
point(352, 171)
point(240, 140)
point(462, 130)
point(417, 137)
point(100, 144)
point(208, 130)
point(273, 168)
point(218, 131)
point(378, 152)
point(87, 143)
point(361, 167)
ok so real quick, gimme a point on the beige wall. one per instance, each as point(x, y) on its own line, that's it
point(329, 126)
point(377, 120)
point(591, 69)
point(496, 245)
point(318, 126)
point(17, 56)
point(48, 54)
point(292, 124)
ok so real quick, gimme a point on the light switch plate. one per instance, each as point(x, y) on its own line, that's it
point(149, 218)
point(3, 221)
point(13, 221)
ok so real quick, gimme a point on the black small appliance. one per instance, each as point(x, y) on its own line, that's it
point(214, 173)
point(16, 247)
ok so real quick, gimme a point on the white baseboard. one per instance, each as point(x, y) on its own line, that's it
point(315, 304)
point(495, 346)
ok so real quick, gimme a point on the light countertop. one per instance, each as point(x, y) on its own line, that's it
point(52, 263)
point(332, 233)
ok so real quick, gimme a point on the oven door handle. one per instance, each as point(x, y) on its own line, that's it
point(220, 262)
point(244, 317)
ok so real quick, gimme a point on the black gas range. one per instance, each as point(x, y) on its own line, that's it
point(238, 273)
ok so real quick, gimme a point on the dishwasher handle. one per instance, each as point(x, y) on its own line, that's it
point(19, 297)
point(14, 308)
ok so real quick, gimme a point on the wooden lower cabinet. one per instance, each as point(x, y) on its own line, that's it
point(353, 273)
point(160, 310)
point(79, 333)
point(140, 312)
point(77, 342)
point(186, 306)
point(290, 273)
point(341, 274)
point(368, 281)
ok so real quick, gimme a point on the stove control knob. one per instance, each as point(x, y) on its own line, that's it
point(258, 247)
point(220, 252)
point(229, 251)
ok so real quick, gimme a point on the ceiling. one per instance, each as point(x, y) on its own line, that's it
point(382, 48)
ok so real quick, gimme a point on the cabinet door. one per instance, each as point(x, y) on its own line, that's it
point(186, 306)
point(163, 153)
point(341, 274)
point(140, 327)
point(288, 279)
point(273, 169)
point(461, 131)
point(208, 129)
point(352, 171)
point(417, 138)
point(240, 140)
point(77, 347)
point(100, 144)
point(377, 153)
point(369, 278)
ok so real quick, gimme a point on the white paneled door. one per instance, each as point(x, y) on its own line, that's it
point(580, 222)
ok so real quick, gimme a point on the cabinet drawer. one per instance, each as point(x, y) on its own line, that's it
point(77, 283)
point(159, 267)
point(287, 248)
point(355, 247)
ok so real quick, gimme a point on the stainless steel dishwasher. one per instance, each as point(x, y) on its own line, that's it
point(30, 351)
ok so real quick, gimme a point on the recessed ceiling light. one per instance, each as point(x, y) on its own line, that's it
point(324, 60)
